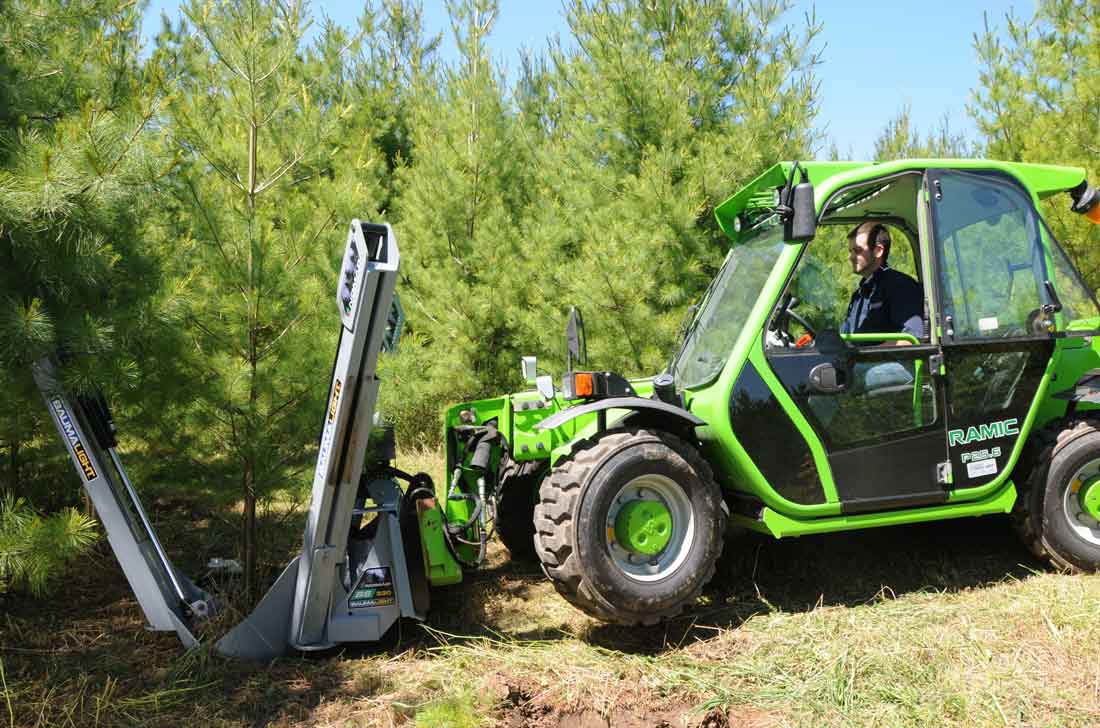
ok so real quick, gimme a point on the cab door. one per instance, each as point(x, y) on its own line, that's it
point(872, 407)
point(994, 312)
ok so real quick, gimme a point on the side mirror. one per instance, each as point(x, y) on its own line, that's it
point(800, 212)
point(801, 226)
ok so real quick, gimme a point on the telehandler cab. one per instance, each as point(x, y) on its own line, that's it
point(767, 418)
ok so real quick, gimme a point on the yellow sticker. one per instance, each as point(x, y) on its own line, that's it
point(335, 399)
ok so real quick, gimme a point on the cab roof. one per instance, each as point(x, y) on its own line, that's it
point(1042, 180)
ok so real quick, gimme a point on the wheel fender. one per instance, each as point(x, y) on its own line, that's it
point(662, 410)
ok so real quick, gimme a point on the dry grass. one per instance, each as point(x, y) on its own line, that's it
point(423, 460)
point(945, 624)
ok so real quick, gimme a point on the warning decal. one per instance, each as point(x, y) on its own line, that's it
point(981, 467)
point(374, 589)
point(71, 437)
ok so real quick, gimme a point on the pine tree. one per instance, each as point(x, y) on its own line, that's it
point(1036, 102)
point(462, 201)
point(75, 273)
point(263, 195)
point(900, 140)
point(34, 548)
point(377, 71)
point(661, 111)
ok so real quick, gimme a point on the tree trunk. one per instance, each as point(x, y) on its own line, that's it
point(250, 459)
point(14, 473)
point(250, 529)
point(250, 469)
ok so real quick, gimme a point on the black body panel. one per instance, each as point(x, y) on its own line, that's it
point(772, 441)
point(895, 473)
point(988, 383)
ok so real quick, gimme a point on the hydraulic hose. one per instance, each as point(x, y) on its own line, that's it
point(421, 486)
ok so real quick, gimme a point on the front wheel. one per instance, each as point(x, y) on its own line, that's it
point(629, 526)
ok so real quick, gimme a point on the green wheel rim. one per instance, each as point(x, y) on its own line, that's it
point(1089, 497)
point(650, 528)
point(644, 526)
point(1081, 502)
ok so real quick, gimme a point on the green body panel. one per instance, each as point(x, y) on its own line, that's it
point(779, 525)
point(518, 415)
point(439, 564)
point(1076, 356)
point(1042, 180)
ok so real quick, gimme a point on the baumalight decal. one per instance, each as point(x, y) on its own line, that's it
point(335, 399)
point(329, 432)
point(73, 439)
point(1001, 428)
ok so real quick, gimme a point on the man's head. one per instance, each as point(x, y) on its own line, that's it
point(868, 247)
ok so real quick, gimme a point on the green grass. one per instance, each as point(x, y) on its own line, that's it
point(945, 624)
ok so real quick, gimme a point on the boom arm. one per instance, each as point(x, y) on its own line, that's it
point(170, 601)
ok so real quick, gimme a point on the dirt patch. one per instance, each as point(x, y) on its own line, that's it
point(522, 709)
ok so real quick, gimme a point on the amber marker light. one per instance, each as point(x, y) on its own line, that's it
point(1086, 202)
point(582, 381)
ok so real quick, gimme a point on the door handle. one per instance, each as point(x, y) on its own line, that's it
point(826, 379)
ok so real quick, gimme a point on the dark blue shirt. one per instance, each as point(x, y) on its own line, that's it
point(887, 302)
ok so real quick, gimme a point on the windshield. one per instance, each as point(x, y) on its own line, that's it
point(723, 312)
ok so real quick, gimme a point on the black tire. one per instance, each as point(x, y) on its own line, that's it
point(515, 518)
point(1039, 516)
point(571, 526)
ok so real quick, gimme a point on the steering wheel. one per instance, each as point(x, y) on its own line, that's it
point(788, 313)
point(802, 322)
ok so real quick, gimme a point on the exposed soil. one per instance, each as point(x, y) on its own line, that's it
point(520, 710)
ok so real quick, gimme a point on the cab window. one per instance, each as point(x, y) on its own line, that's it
point(992, 266)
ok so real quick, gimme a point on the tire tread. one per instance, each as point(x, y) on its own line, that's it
point(1027, 513)
point(555, 532)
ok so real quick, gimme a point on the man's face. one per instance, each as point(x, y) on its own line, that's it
point(864, 259)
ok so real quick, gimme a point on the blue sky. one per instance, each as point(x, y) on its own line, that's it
point(876, 56)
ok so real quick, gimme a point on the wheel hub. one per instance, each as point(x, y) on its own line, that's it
point(1088, 495)
point(645, 526)
point(650, 527)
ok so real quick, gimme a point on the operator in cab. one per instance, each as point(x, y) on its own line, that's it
point(886, 300)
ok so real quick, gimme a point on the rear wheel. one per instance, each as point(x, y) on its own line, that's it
point(629, 527)
point(1058, 515)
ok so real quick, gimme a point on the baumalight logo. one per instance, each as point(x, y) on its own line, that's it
point(77, 446)
point(993, 430)
point(335, 399)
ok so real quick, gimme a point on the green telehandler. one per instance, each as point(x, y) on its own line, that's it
point(767, 419)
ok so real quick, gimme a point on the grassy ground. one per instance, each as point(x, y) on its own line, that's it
point(944, 624)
